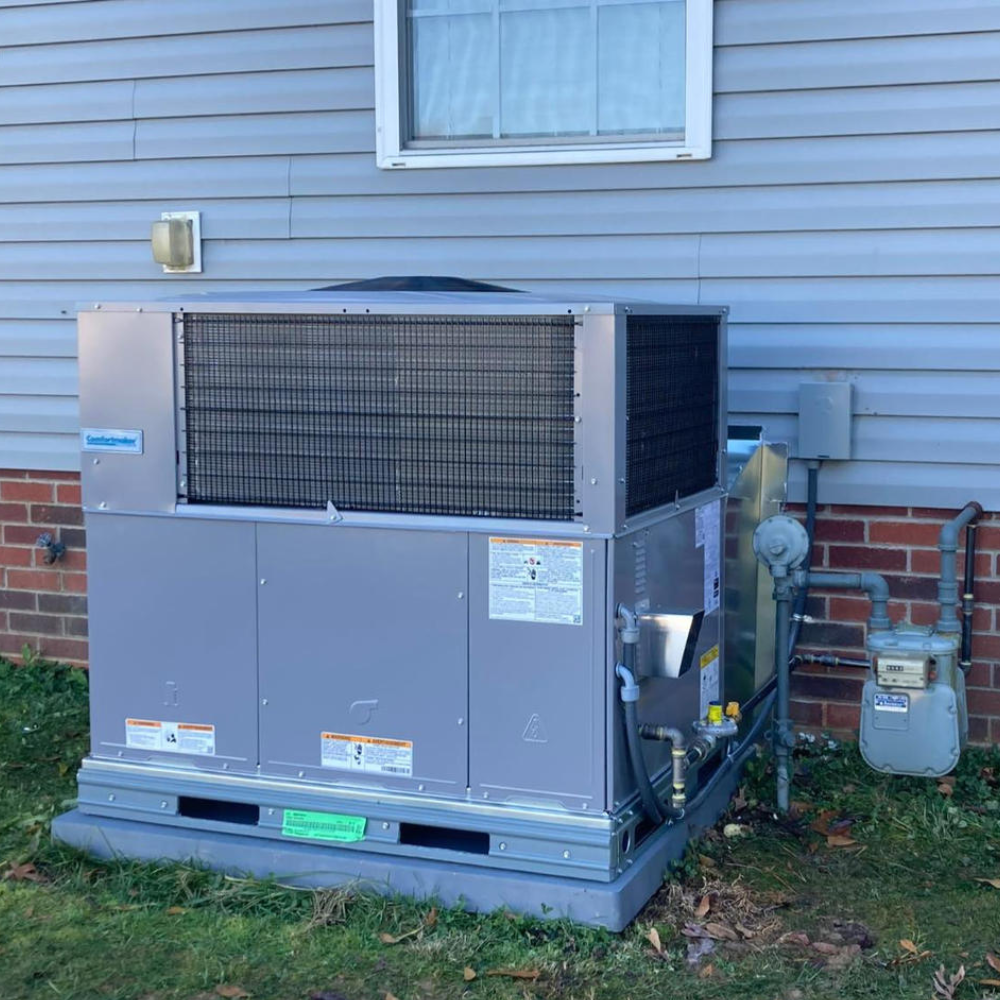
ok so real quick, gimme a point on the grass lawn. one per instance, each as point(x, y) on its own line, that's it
point(872, 887)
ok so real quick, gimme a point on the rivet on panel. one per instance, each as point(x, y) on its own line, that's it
point(262, 581)
point(502, 846)
point(163, 804)
point(420, 788)
point(461, 721)
point(270, 812)
point(461, 594)
point(566, 855)
point(385, 826)
point(103, 505)
point(302, 774)
point(111, 797)
point(97, 461)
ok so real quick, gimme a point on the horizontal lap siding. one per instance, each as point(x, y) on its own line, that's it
point(850, 214)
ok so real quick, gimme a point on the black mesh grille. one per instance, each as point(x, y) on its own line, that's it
point(426, 415)
point(673, 408)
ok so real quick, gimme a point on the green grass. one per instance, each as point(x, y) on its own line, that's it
point(118, 930)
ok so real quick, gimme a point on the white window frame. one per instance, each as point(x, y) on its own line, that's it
point(393, 153)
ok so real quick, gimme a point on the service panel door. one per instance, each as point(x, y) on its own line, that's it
point(173, 661)
point(363, 646)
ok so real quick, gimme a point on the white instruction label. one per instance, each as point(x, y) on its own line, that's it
point(892, 703)
point(367, 754)
point(535, 580)
point(707, 536)
point(175, 737)
point(709, 675)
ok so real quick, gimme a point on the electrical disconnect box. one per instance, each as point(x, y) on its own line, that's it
point(824, 420)
point(359, 567)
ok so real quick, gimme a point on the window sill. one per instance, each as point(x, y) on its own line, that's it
point(512, 156)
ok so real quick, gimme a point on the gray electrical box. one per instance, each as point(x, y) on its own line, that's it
point(825, 420)
point(355, 561)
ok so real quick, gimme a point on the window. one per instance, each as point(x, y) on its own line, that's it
point(495, 82)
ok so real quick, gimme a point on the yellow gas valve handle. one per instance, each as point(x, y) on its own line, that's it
point(733, 711)
point(714, 713)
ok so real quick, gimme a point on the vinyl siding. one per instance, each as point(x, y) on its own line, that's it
point(850, 214)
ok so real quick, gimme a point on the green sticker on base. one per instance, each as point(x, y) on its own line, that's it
point(323, 826)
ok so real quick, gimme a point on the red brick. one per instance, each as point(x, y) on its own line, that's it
point(995, 731)
point(838, 686)
point(841, 718)
point(904, 532)
point(66, 477)
point(48, 514)
point(988, 592)
point(31, 491)
point(979, 729)
point(807, 713)
point(18, 600)
point(849, 609)
point(861, 557)
point(75, 583)
point(76, 627)
point(981, 675)
point(33, 579)
point(21, 534)
point(68, 493)
point(36, 624)
point(924, 612)
point(984, 702)
point(912, 588)
point(869, 512)
point(62, 604)
point(982, 618)
point(13, 512)
point(929, 561)
point(58, 649)
point(988, 537)
point(837, 530)
point(11, 555)
point(986, 647)
point(13, 474)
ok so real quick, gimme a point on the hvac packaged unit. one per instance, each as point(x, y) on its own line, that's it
point(366, 569)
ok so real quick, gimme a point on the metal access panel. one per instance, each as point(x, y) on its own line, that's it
point(537, 697)
point(363, 650)
point(173, 677)
point(674, 564)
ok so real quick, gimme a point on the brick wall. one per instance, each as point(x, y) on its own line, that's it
point(900, 543)
point(43, 606)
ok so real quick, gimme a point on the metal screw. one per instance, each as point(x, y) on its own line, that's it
point(578, 420)
point(103, 505)
point(263, 701)
point(97, 461)
point(461, 721)
point(385, 826)
point(502, 846)
point(593, 482)
point(302, 774)
point(262, 581)
point(420, 788)
point(460, 595)
point(270, 812)
point(566, 855)
point(486, 795)
point(111, 797)
point(225, 766)
point(586, 527)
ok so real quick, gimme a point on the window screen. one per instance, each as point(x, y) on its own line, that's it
point(545, 69)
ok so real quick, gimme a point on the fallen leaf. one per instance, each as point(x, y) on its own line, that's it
point(988, 982)
point(233, 992)
point(515, 973)
point(907, 945)
point(653, 937)
point(992, 961)
point(694, 931)
point(706, 862)
point(468, 974)
point(795, 937)
point(731, 830)
point(704, 905)
point(995, 882)
point(432, 918)
point(839, 840)
point(947, 789)
point(825, 948)
point(745, 931)
point(944, 985)
point(707, 972)
point(175, 911)
point(24, 873)
point(721, 932)
point(389, 996)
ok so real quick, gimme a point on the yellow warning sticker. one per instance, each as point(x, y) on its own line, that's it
point(367, 754)
point(706, 658)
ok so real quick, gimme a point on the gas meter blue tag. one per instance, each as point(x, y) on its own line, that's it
point(892, 702)
point(111, 439)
